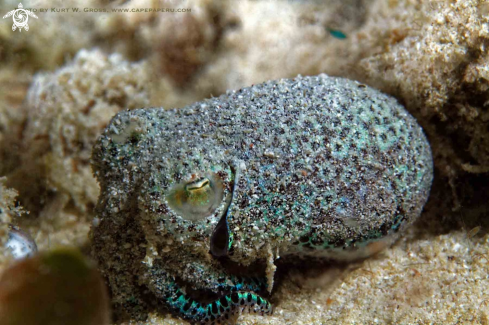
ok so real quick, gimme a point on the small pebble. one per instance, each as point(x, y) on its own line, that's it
point(20, 244)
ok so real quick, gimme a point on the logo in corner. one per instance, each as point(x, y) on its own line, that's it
point(20, 17)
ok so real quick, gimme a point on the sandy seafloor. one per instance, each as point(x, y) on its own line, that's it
point(62, 81)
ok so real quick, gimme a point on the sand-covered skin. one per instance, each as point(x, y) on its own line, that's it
point(310, 166)
point(431, 56)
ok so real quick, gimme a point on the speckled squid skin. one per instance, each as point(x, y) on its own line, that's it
point(315, 166)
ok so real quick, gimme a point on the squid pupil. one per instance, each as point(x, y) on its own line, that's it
point(197, 185)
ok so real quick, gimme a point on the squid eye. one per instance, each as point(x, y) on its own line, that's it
point(196, 199)
point(198, 186)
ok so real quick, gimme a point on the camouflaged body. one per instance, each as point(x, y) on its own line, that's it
point(311, 165)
